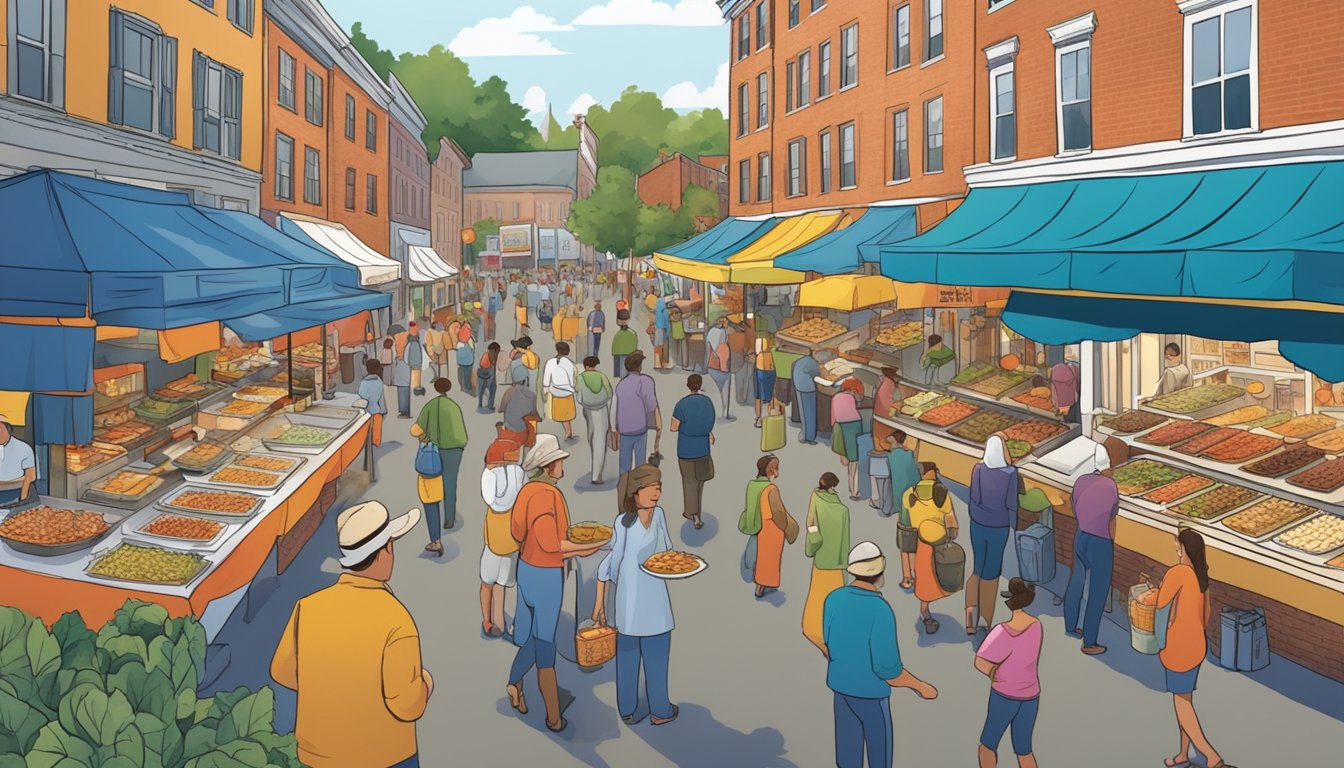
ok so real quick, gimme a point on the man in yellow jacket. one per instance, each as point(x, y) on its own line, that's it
point(352, 653)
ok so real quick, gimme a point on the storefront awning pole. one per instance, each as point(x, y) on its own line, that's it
point(325, 388)
point(289, 358)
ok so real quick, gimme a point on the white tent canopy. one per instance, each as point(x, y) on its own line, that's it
point(374, 268)
point(424, 265)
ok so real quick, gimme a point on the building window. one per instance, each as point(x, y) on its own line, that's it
point(1002, 115)
point(517, 212)
point(744, 181)
point(217, 98)
point(370, 131)
point(37, 50)
point(240, 13)
point(797, 167)
point(349, 189)
point(900, 37)
point(824, 69)
point(142, 76)
point(804, 78)
point(762, 24)
point(349, 117)
point(933, 29)
point(933, 135)
point(312, 176)
point(789, 72)
point(312, 96)
point(1221, 54)
point(284, 167)
point(849, 56)
point(1075, 97)
point(848, 167)
point(817, 5)
point(370, 193)
point(825, 140)
point(762, 177)
point(743, 37)
point(285, 93)
point(743, 109)
point(794, 8)
point(762, 100)
point(900, 146)
point(499, 211)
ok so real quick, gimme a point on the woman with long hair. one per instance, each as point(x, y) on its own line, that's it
point(1185, 591)
point(928, 507)
point(1010, 658)
point(642, 607)
point(846, 426)
point(994, 490)
point(828, 546)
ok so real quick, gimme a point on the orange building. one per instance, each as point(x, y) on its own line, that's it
point(664, 183)
point(298, 171)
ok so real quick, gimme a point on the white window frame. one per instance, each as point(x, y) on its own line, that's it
point(312, 175)
point(825, 166)
point(744, 41)
point(286, 65)
point(844, 56)
point(762, 24)
point(824, 70)
point(764, 192)
point(942, 136)
point(804, 95)
point(1000, 59)
point(896, 150)
point(762, 101)
point(313, 97)
point(1196, 11)
point(896, 38)
point(852, 146)
point(1069, 37)
point(797, 156)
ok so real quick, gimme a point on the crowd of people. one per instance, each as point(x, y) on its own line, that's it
point(368, 717)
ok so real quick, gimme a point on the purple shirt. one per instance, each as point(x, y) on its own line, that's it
point(636, 401)
point(994, 496)
point(1096, 501)
point(1017, 656)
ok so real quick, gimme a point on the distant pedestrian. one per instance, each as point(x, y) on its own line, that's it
point(441, 423)
point(846, 426)
point(501, 481)
point(995, 486)
point(765, 374)
point(1010, 657)
point(623, 344)
point(662, 330)
point(805, 373)
point(401, 379)
point(360, 684)
point(777, 527)
point(372, 392)
point(487, 378)
point(519, 401)
point(1096, 507)
point(719, 363)
point(827, 544)
point(415, 358)
point(693, 421)
point(435, 344)
point(492, 306)
point(466, 356)
point(597, 325)
point(904, 473)
point(927, 508)
point(594, 393)
point(387, 356)
point(887, 401)
point(545, 313)
point(634, 413)
point(558, 380)
point(864, 663)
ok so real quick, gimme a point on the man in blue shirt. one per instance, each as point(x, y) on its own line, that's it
point(597, 324)
point(864, 662)
point(693, 421)
point(805, 373)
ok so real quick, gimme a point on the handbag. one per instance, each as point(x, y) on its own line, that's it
point(907, 539)
point(428, 463)
point(774, 431)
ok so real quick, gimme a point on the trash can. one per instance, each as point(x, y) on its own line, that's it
point(347, 365)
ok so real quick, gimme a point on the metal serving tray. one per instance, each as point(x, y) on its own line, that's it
point(1169, 508)
point(98, 556)
point(169, 505)
point(1264, 536)
point(113, 518)
point(170, 480)
point(1203, 413)
point(279, 480)
point(138, 533)
point(223, 458)
point(325, 416)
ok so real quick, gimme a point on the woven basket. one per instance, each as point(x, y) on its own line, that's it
point(1141, 616)
point(595, 646)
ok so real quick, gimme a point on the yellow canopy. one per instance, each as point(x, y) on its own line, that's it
point(754, 264)
point(847, 292)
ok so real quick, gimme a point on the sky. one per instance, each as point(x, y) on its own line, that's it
point(566, 54)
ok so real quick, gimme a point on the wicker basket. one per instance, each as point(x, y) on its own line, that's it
point(1141, 616)
point(595, 645)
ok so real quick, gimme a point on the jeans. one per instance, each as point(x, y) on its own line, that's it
point(432, 520)
point(411, 762)
point(724, 381)
point(861, 723)
point(537, 614)
point(596, 339)
point(452, 462)
point(491, 385)
point(464, 379)
point(618, 366)
point(807, 402)
point(597, 421)
point(403, 401)
point(1004, 712)
point(653, 652)
point(1093, 558)
point(632, 451)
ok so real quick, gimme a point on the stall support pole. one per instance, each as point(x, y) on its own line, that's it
point(325, 390)
point(289, 360)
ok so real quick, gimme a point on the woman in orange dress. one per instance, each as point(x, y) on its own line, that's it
point(928, 507)
point(777, 526)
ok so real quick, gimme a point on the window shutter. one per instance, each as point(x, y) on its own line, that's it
point(114, 68)
point(56, 41)
point(168, 87)
point(198, 97)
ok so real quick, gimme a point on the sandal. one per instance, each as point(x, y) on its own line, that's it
point(699, 523)
point(931, 625)
point(1172, 762)
point(562, 725)
point(436, 547)
point(516, 699)
point(665, 720)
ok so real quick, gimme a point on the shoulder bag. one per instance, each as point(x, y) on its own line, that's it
point(428, 462)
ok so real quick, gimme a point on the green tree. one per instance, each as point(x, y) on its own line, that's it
point(485, 228)
point(697, 202)
point(365, 46)
point(607, 219)
point(657, 226)
point(632, 129)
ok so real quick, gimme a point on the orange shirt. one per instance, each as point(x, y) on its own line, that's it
point(540, 521)
point(1186, 644)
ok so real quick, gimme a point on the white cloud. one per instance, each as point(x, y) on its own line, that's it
point(620, 13)
point(514, 35)
point(686, 95)
point(534, 100)
point(581, 104)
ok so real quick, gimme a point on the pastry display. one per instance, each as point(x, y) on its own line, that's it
point(1196, 398)
point(124, 434)
point(1175, 432)
point(1331, 441)
point(1242, 447)
point(672, 563)
point(590, 533)
point(916, 404)
point(310, 351)
point(256, 478)
point(1304, 426)
point(1206, 440)
point(1183, 487)
point(215, 502)
point(260, 394)
point(81, 457)
point(242, 408)
point(47, 526)
point(267, 463)
point(113, 418)
point(1039, 402)
point(1273, 419)
point(1130, 422)
point(1143, 475)
point(1000, 383)
point(232, 353)
point(1316, 536)
point(973, 373)
point(1325, 477)
point(200, 455)
point(1267, 516)
point(814, 330)
point(127, 484)
point(900, 337)
point(1291, 459)
point(1035, 431)
point(948, 413)
point(299, 434)
point(185, 388)
point(1242, 415)
point(133, 562)
point(979, 427)
point(1220, 500)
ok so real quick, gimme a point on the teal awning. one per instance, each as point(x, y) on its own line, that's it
point(846, 250)
point(720, 241)
point(1265, 233)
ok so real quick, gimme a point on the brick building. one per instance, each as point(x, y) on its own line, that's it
point(446, 209)
point(424, 276)
point(664, 183)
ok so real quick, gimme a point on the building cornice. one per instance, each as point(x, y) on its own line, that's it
point(890, 203)
point(455, 148)
point(1073, 30)
point(404, 109)
point(302, 18)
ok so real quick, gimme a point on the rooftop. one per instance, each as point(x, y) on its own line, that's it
point(546, 169)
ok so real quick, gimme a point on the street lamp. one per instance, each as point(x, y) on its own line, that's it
point(468, 237)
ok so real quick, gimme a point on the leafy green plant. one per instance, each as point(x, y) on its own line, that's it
point(125, 697)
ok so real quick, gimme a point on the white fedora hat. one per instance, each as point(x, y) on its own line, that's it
point(366, 528)
point(543, 452)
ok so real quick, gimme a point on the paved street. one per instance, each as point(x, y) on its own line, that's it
point(751, 690)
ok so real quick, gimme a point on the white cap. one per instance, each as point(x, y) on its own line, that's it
point(866, 559)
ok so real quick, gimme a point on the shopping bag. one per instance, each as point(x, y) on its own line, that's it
point(749, 559)
point(949, 565)
point(773, 432)
point(427, 460)
point(430, 489)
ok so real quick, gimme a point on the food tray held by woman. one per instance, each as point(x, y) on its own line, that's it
point(1326, 477)
point(1242, 447)
point(1178, 490)
point(1175, 432)
point(948, 414)
point(1130, 422)
point(46, 531)
point(1291, 459)
point(673, 565)
point(148, 565)
point(589, 533)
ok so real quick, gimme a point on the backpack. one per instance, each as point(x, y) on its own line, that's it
point(749, 522)
point(586, 396)
point(949, 565)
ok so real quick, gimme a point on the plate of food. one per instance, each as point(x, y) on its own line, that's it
point(80, 458)
point(589, 532)
point(973, 373)
point(233, 505)
point(46, 531)
point(153, 410)
point(148, 565)
point(674, 565)
point(1331, 441)
point(260, 394)
point(183, 530)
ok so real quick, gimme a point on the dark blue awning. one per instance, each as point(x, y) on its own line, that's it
point(845, 250)
point(295, 317)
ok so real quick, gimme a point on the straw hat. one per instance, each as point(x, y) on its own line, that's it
point(546, 451)
point(866, 559)
point(366, 528)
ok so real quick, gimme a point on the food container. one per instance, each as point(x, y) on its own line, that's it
point(82, 458)
point(594, 645)
point(257, 393)
point(269, 462)
point(1291, 459)
point(1142, 606)
point(1242, 447)
point(233, 476)
point(107, 489)
point(176, 503)
point(1215, 503)
point(1199, 401)
point(1303, 427)
point(701, 566)
point(211, 544)
point(188, 463)
point(1267, 518)
point(325, 416)
point(1326, 477)
point(949, 413)
point(1131, 423)
point(1143, 475)
point(973, 373)
point(1173, 433)
point(111, 517)
point(589, 533)
point(162, 411)
point(1174, 493)
point(1326, 529)
point(214, 417)
point(976, 429)
point(299, 438)
point(101, 560)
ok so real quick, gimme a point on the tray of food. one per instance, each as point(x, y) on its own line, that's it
point(1243, 415)
point(81, 458)
point(269, 463)
point(148, 565)
point(241, 477)
point(1017, 448)
point(1131, 422)
point(45, 530)
point(1036, 400)
point(260, 394)
point(1186, 485)
point(310, 351)
point(113, 418)
point(1002, 383)
point(183, 530)
point(1195, 402)
point(242, 409)
point(203, 457)
point(1215, 503)
point(918, 403)
point(1035, 431)
point(674, 565)
point(153, 410)
point(325, 416)
point(126, 485)
point(1274, 419)
point(1142, 475)
point(1263, 519)
point(1290, 459)
point(816, 330)
point(132, 434)
point(1304, 426)
point(1330, 441)
point(973, 373)
point(1243, 446)
point(1336, 562)
point(949, 413)
point(233, 505)
point(1175, 432)
point(187, 389)
point(1317, 536)
point(897, 339)
point(1326, 477)
point(298, 438)
point(1205, 440)
point(589, 532)
point(979, 427)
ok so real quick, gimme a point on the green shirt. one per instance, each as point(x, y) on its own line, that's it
point(829, 545)
point(624, 342)
point(441, 421)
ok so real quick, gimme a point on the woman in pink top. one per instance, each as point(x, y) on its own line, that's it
point(846, 426)
point(1009, 658)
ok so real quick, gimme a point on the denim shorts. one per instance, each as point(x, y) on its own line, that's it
point(765, 385)
point(1182, 682)
point(1019, 714)
point(987, 546)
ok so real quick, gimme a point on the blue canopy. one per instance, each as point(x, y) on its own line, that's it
point(46, 358)
point(845, 250)
point(145, 258)
point(717, 243)
point(1265, 233)
point(296, 317)
point(1309, 339)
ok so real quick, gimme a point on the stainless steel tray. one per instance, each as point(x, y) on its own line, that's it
point(1169, 509)
point(1271, 534)
point(201, 566)
point(132, 504)
point(138, 533)
point(294, 462)
point(325, 416)
point(169, 505)
point(113, 518)
point(223, 458)
point(1213, 410)
point(1322, 556)
point(210, 480)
